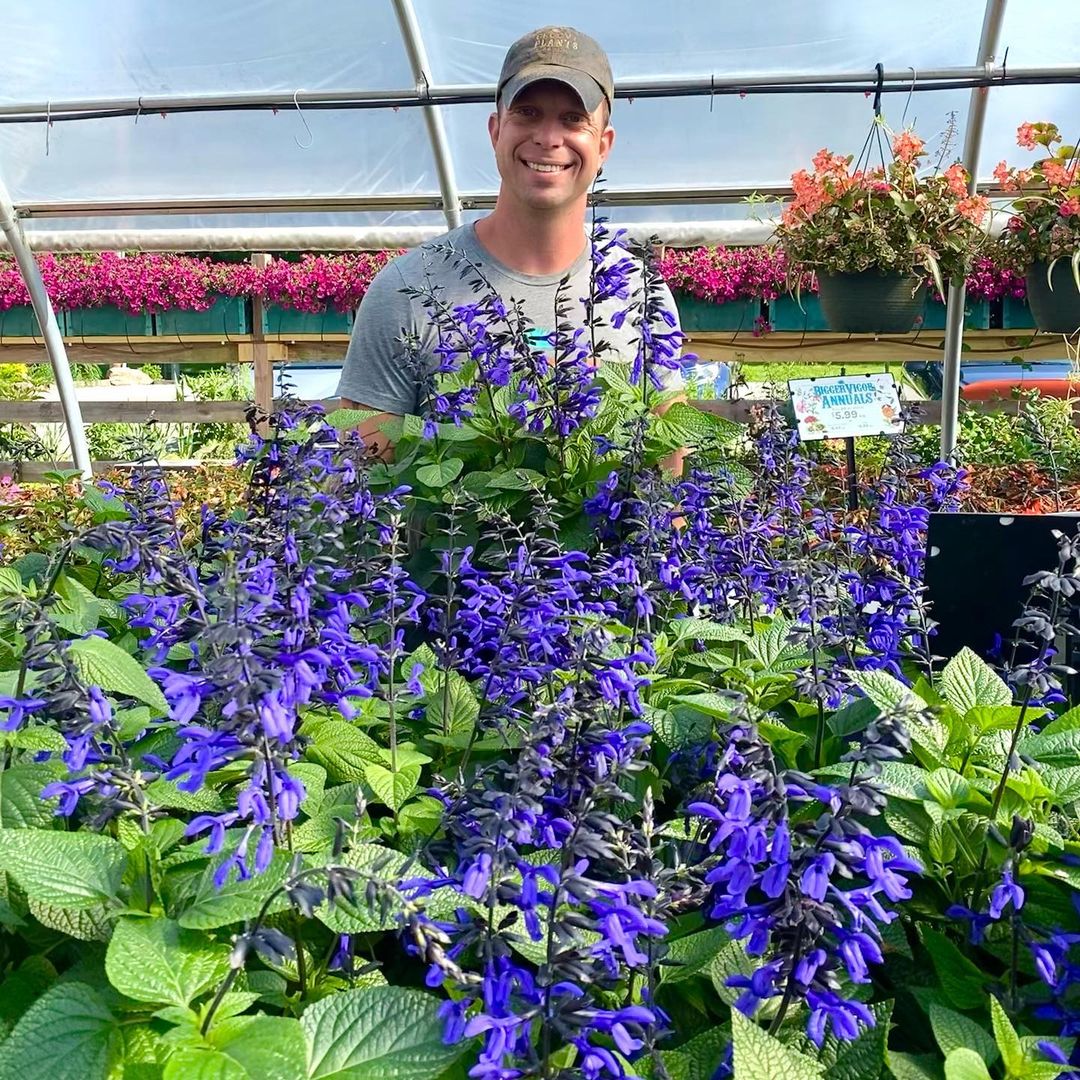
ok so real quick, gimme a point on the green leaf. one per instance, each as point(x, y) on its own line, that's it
point(961, 980)
point(154, 960)
point(863, 1058)
point(381, 1033)
point(913, 1066)
point(965, 1064)
point(83, 924)
point(166, 794)
point(886, 691)
point(458, 713)
point(390, 788)
point(710, 704)
point(357, 918)
point(236, 900)
point(72, 870)
point(1067, 721)
point(1008, 1042)
point(245, 1048)
point(103, 664)
point(1061, 748)
point(953, 1031)
point(697, 1059)
point(341, 749)
point(349, 419)
point(11, 581)
point(68, 1034)
point(968, 681)
point(760, 1056)
point(691, 629)
point(440, 473)
point(984, 718)
point(853, 717)
point(948, 787)
point(21, 804)
point(679, 727)
point(37, 739)
point(517, 480)
point(692, 955)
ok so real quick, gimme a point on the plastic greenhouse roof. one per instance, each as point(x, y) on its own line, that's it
point(325, 166)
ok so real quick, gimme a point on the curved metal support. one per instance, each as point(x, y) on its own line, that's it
point(954, 320)
point(440, 147)
point(50, 330)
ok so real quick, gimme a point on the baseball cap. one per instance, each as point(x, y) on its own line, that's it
point(562, 53)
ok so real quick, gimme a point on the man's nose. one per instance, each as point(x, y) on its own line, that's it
point(548, 132)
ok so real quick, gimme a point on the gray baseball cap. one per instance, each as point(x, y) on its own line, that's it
point(562, 53)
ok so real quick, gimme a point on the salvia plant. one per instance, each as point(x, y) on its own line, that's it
point(519, 756)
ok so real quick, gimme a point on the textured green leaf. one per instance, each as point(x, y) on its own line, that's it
point(21, 804)
point(863, 1058)
point(37, 738)
point(440, 473)
point(965, 1064)
point(1008, 1042)
point(341, 749)
point(22, 987)
point(358, 918)
point(166, 794)
point(68, 1034)
point(961, 980)
point(679, 727)
point(1061, 748)
point(913, 1066)
point(154, 960)
point(11, 581)
point(760, 1056)
point(245, 1048)
point(381, 1033)
point(697, 1059)
point(886, 691)
point(392, 788)
point(74, 870)
point(968, 681)
point(1067, 721)
point(691, 629)
point(517, 480)
point(104, 664)
point(236, 900)
point(452, 711)
point(694, 954)
point(948, 787)
point(952, 1031)
point(83, 924)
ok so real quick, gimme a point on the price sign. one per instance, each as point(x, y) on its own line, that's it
point(846, 406)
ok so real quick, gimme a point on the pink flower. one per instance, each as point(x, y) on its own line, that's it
point(907, 146)
point(1070, 207)
point(957, 178)
point(1025, 136)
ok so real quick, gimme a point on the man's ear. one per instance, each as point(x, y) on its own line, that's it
point(493, 128)
point(607, 141)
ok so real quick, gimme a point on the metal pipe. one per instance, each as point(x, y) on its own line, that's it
point(440, 147)
point(364, 238)
point(898, 81)
point(993, 16)
point(50, 331)
point(330, 204)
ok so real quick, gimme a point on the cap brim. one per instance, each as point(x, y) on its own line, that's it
point(585, 86)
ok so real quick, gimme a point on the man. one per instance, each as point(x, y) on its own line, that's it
point(551, 134)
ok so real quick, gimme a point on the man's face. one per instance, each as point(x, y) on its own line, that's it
point(547, 147)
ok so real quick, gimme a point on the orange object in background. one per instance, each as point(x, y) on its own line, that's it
point(1003, 389)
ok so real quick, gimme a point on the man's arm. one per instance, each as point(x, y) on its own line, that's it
point(376, 440)
point(675, 461)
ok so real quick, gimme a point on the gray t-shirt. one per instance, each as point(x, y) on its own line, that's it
point(376, 371)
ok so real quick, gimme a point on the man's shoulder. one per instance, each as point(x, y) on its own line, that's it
point(433, 257)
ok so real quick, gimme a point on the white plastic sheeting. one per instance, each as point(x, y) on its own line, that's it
point(70, 49)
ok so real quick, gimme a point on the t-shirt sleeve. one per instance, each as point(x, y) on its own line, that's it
point(378, 371)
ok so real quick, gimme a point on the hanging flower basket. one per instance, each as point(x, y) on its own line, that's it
point(1055, 310)
point(870, 303)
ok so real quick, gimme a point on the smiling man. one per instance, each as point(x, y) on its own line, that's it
point(551, 133)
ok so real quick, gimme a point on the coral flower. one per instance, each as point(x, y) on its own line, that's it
point(907, 146)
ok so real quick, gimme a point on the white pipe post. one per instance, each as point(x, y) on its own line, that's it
point(440, 146)
point(50, 331)
point(954, 318)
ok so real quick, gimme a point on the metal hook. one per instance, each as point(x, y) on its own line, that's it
point(138, 111)
point(303, 120)
point(911, 90)
point(48, 125)
point(712, 90)
point(880, 69)
point(1005, 64)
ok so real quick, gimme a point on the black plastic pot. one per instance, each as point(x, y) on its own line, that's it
point(870, 303)
point(1057, 310)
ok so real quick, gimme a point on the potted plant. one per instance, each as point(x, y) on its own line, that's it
point(872, 236)
point(1042, 239)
